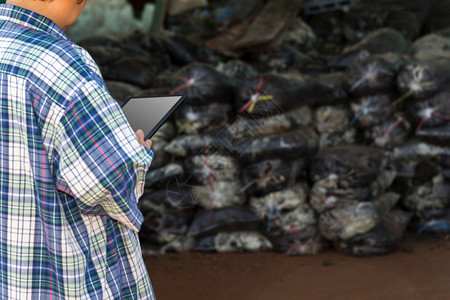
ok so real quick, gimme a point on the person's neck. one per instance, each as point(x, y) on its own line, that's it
point(44, 8)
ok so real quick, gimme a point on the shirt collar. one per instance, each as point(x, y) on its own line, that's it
point(31, 20)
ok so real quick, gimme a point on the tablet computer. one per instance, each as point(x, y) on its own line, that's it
point(150, 112)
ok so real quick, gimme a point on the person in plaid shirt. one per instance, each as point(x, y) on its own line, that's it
point(71, 167)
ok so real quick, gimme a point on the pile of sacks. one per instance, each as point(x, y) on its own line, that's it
point(350, 195)
point(339, 138)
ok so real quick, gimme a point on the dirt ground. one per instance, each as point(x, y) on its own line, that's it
point(419, 269)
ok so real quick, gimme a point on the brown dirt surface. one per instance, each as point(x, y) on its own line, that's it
point(419, 269)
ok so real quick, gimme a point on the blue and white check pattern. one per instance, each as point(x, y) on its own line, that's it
point(71, 172)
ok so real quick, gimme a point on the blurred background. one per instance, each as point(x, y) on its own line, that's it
point(311, 128)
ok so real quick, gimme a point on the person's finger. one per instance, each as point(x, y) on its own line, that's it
point(140, 133)
point(140, 137)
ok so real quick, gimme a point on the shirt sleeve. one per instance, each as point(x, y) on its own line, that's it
point(99, 160)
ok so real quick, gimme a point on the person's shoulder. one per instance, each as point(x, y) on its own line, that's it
point(59, 66)
point(62, 57)
point(64, 51)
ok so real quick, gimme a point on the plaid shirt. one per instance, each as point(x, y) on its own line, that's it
point(71, 172)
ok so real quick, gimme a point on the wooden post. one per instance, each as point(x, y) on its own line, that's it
point(158, 16)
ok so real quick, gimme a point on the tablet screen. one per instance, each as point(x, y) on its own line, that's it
point(150, 112)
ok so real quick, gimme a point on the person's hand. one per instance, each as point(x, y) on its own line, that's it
point(140, 138)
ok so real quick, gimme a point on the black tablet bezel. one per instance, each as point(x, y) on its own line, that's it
point(165, 117)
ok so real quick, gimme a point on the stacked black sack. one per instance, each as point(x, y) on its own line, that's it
point(372, 83)
point(273, 135)
point(336, 134)
point(423, 161)
point(184, 173)
point(350, 194)
point(167, 204)
point(212, 167)
point(424, 181)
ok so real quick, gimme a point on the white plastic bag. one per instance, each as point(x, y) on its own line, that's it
point(116, 17)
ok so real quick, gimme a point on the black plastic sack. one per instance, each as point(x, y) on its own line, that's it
point(380, 41)
point(287, 58)
point(432, 45)
point(430, 113)
point(162, 82)
point(249, 128)
point(180, 49)
point(408, 23)
point(173, 199)
point(297, 219)
point(217, 194)
point(346, 136)
point(104, 55)
point(137, 70)
point(328, 194)
point(160, 140)
point(280, 202)
point(165, 133)
point(200, 119)
point(238, 241)
point(284, 210)
point(163, 227)
point(269, 176)
point(433, 194)
point(292, 144)
point(439, 135)
point(437, 17)
point(301, 36)
point(205, 168)
point(140, 42)
point(423, 79)
point(121, 91)
point(369, 76)
point(382, 239)
point(394, 131)
point(329, 119)
point(161, 177)
point(353, 218)
point(293, 242)
point(416, 150)
point(108, 40)
point(413, 173)
point(332, 88)
point(358, 21)
point(434, 221)
point(324, 26)
point(177, 245)
point(160, 158)
point(372, 110)
point(271, 94)
point(446, 173)
point(221, 220)
point(189, 145)
point(202, 84)
point(353, 165)
point(445, 161)
point(237, 69)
